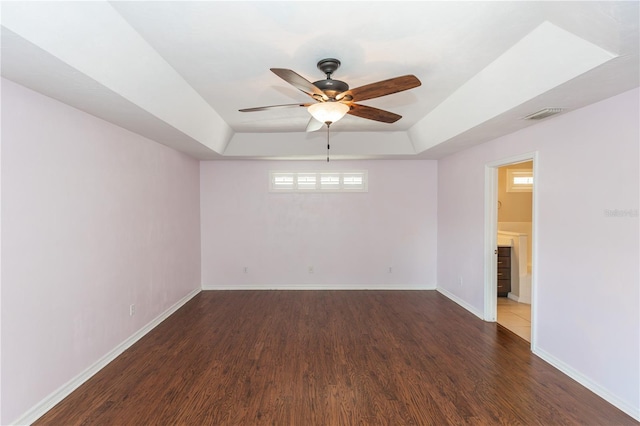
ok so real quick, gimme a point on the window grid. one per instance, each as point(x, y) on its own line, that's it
point(318, 181)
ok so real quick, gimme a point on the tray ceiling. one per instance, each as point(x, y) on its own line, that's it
point(178, 72)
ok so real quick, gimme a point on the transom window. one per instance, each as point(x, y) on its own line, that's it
point(519, 180)
point(318, 181)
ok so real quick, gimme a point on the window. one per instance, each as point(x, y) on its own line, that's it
point(329, 181)
point(519, 180)
point(353, 180)
point(306, 181)
point(312, 181)
point(281, 181)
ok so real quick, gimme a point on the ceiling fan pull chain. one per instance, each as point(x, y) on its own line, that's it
point(328, 146)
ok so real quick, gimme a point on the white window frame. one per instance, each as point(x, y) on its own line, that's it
point(300, 181)
point(513, 174)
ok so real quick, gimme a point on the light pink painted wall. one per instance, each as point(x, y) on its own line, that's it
point(588, 298)
point(351, 239)
point(94, 218)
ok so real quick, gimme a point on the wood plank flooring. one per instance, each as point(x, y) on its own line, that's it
point(330, 358)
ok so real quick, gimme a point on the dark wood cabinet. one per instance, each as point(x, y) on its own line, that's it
point(504, 271)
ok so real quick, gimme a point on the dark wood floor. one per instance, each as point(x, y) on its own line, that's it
point(330, 358)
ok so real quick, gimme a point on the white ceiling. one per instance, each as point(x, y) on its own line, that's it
point(177, 72)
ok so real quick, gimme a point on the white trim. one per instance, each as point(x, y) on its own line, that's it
point(491, 243)
point(460, 302)
point(317, 287)
point(63, 391)
point(513, 297)
point(588, 383)
point(534, 251)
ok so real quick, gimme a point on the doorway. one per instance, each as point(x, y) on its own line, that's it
point(510, 243)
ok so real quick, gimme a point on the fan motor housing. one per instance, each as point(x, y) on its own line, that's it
point(330, 85)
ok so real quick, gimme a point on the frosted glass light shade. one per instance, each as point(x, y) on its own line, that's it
point(328, 111)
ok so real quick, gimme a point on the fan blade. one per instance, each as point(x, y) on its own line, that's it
point(264, 108)
point(314, 125)
point(299, 82)
point(371, 113)
point(381, 88)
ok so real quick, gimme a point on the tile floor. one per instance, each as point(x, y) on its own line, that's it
point(515, 316)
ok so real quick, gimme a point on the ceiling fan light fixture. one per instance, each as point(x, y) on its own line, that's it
point(328, 112)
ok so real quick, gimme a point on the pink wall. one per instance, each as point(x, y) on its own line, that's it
point(587, 296)
point(94, 218)
point(351, 239)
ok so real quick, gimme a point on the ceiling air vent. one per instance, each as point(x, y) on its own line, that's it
point(543, 113)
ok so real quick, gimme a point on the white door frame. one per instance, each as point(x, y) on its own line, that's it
point(491, 236)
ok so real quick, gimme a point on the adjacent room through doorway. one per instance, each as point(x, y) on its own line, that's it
point(514, 240)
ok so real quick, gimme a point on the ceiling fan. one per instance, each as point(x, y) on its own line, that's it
point(334, 99)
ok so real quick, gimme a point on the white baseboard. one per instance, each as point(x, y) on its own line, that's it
point(317, 287)
point(563, 367)
point(512, 297)
point(63, 391)
point(460, 302)
point(588, 383)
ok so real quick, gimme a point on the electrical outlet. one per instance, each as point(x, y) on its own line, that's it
point(311, 269)
point(460, 281)
point(132, 310)
point(390, 269)
point(246, 269)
